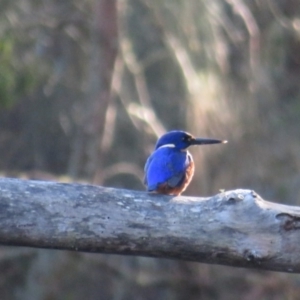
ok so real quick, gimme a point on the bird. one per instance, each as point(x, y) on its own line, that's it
point(170, 168)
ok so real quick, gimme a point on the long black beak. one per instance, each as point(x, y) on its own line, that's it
point(202, 141)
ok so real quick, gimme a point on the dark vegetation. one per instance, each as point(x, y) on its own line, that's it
point(87, 86)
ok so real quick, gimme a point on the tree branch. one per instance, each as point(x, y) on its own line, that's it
point(236, 228)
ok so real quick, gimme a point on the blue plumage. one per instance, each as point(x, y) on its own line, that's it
point(166, 165)
point(170, 168)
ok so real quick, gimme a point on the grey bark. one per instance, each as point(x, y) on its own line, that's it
point(236, 228)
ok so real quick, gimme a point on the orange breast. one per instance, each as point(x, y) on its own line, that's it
point(176, 191)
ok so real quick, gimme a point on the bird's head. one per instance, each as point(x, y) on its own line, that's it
point(181, 140)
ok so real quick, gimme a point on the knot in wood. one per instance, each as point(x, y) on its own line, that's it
point(234, 198)
point(252, 256)
point(288, 221)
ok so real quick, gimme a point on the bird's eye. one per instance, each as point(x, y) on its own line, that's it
point(187, 138)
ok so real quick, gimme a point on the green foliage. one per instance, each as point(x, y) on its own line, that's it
point(16, 77)
point(7, 74)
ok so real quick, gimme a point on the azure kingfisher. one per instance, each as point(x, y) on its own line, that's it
point(170, 168)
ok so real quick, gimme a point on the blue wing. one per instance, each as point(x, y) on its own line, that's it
point(165, 165)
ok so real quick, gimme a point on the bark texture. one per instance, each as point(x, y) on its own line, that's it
point(236, 228)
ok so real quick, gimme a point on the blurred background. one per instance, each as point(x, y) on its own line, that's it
point(87, 86)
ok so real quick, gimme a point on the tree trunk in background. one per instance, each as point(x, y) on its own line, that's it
point(107, 46)
point(104, 52)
